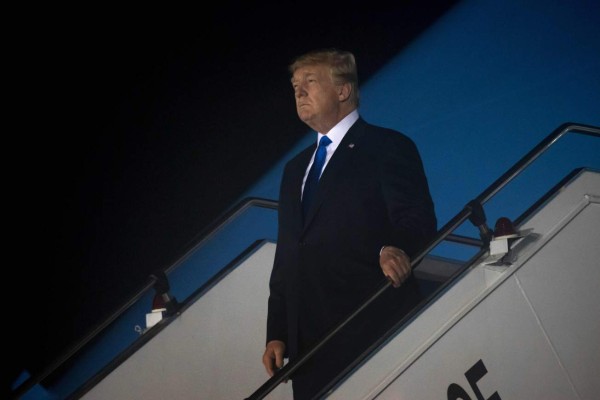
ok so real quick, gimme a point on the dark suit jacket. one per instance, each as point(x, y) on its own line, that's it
point(373, 192)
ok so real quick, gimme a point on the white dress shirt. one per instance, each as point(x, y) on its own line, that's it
point(336, 134)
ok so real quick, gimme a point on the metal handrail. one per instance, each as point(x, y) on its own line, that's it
point(200, 239)
point(235, 211)
point(244, 204)
point(206, 235)
point(284, 373)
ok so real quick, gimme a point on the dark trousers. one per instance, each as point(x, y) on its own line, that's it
point(328, 365)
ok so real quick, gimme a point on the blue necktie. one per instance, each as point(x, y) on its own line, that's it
point(312, 180)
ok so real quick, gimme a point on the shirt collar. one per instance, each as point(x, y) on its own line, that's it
point(337, 133)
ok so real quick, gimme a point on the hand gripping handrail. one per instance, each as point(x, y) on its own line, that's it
point(444, 232)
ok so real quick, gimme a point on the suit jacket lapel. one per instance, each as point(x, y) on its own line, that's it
point(297, 175)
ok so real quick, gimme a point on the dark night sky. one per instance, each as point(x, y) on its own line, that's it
point(143, 132)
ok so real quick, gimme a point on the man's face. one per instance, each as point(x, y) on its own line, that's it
point(317, 101)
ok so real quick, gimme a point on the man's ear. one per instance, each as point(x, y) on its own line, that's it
point(344, 91)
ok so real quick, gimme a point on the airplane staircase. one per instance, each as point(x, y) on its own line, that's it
point(515, 317)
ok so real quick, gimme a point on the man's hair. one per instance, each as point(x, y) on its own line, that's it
point(342, 67)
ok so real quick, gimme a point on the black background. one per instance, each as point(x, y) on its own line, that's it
point(136, 132)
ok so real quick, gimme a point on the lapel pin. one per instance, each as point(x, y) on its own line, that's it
point(351, 145)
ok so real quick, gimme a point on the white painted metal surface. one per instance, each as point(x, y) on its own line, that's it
point(213, 350)
point(527, 331)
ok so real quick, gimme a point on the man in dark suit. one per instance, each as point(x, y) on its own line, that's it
point(371, 211)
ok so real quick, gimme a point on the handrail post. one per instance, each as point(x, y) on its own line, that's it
point(478, 219)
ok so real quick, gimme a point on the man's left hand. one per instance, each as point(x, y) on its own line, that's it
point(395, 265)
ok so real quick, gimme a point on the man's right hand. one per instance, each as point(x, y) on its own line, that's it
point(273, 356)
